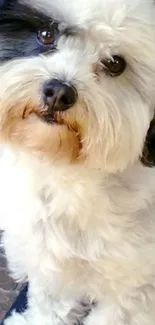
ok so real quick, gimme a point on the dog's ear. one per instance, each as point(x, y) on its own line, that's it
point(3, 3)
point(148, 155)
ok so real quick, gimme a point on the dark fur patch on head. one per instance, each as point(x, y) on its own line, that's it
point(148, 156)
point(19, 25)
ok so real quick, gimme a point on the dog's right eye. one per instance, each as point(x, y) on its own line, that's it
point(27, 37)
point(45, 36)
point(48, 36)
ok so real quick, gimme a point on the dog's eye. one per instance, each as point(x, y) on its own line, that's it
point(114, 66)
point(47, 36)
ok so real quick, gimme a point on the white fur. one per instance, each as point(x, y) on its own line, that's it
point(87, 231)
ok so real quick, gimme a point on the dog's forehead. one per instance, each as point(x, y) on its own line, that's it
point(83, 13)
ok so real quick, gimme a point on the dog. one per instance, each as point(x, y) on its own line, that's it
point(77, 183)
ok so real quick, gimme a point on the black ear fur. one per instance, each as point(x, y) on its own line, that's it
point(3, 3)
point(148, 155)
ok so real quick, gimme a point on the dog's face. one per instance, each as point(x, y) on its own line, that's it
point(77, 80)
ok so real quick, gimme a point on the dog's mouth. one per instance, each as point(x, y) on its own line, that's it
point(62, 126)
point(43, 113)
point(50, 118)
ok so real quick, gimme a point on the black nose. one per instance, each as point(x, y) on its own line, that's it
point(59, 96)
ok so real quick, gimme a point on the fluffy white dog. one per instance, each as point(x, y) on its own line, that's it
point(77, 98)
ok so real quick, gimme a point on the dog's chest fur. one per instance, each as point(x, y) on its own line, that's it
point(92, 231)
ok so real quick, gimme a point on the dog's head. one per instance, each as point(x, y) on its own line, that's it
point(77, 79)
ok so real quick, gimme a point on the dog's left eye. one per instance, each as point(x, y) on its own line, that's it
point(47, 36)
point(114, 66)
